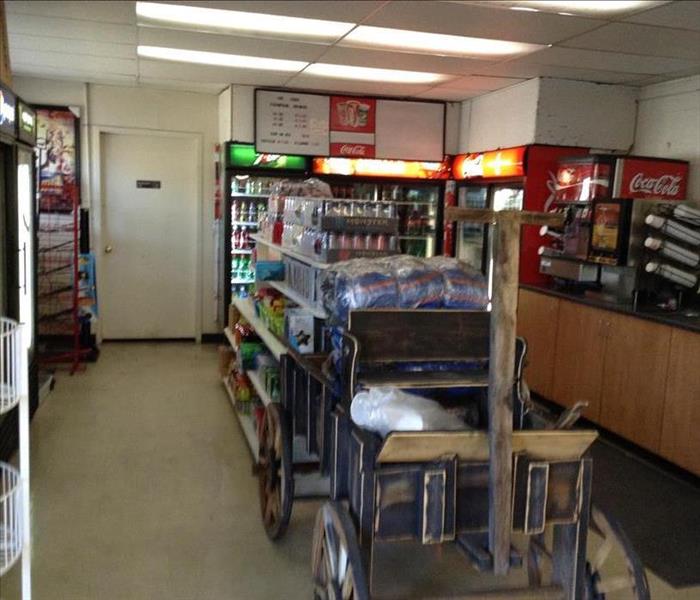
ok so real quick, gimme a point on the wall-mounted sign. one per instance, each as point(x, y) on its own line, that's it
point(26, 125)
point(291, 123)
point(353, 126)
point(644, 178)
point(348, 126)
point(496, 163)
point(368, 167)
point(244, 156)
point(8, 111)
point(147, 184)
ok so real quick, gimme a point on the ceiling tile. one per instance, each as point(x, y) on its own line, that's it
point(105, 11)
point(72, 73)
point(311, 82)
point(481, 21)
point(682, 15)
point(480, 83)
point(70, 29)
point(208, 74)
point(527, 70)
point(613, 61)
point(384, 59)
point(352, 12)
point(54, 44)
point(641, 39)
point(450, 95)
point(229, 44)
point(178, 84)
point(58, 60)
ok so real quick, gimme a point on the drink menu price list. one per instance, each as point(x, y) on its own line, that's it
point(291, 123)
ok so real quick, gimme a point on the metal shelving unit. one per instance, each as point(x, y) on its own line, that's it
point(15, 524)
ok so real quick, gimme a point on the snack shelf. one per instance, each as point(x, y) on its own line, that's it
point(242, 250)
point(283, 288)
point(229, 336)
point(245, 223)
point(274, 345)
point(259, 387)
point(247, 423)
point(289, 252)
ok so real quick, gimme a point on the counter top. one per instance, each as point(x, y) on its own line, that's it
point(666, 318)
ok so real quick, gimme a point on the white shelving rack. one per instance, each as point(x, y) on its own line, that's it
point(15, 524)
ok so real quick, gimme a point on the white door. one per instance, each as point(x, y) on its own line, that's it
point(149, 216)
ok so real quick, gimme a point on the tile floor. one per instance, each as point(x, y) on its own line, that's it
point(142, 490)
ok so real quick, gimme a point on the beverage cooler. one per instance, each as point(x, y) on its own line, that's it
point(18, 241)
point(248, 181)
point(520, 178)
point(412, 191)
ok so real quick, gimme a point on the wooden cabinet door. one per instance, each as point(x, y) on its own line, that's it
point(538, 317)
point(578, 362)
point(634, 379)
point(680, 441)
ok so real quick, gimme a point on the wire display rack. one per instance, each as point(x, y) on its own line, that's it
point(15, 528)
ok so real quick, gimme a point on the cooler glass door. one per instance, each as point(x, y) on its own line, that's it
point(471, 237)
point(25, 237)
point(502, 198)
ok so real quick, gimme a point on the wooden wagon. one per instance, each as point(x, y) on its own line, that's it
point(515, 474)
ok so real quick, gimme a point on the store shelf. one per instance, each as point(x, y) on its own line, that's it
point(239, 195)
point(259, 387)
point(282, 287)
point(242, 281)
point(231, 340)
point(245, 223)
point(241, 251)
point(415, 237)
point(274, 345)
point(291, 253)
point(247, 423)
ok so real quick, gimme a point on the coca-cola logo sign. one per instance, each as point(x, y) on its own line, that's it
point(353, 150)
point(665, 185)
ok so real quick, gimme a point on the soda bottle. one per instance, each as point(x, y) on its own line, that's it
point(235, 238)
point(243, 211)
point(234, 211)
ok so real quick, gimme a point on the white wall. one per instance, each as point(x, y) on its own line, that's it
point(501, 119)
point(590, 115)
point(668, 124)
point(145, 109)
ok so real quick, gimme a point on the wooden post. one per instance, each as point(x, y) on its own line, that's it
point(5, 70)
point(504, 303)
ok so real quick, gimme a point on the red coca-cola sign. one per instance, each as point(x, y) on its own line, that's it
point(352, 150)
point(639, 178)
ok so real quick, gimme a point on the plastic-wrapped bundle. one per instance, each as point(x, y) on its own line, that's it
point(463, 286)
point(362, 283)
point(419, 286)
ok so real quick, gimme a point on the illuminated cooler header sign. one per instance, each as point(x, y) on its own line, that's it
point(8, 111)
point(496, 163)
point(244, 156)
point(26, 130)
point(368, 167)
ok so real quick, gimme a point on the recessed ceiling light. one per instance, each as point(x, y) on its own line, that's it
point(524, 8)
point(587, 6)
point(234, 20)
point(365, 36)
point(371, 74)
point(219, 59)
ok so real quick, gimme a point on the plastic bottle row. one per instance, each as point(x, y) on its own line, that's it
point(247, 211)
point(313, 242)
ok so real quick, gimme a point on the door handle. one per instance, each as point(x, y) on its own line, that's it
point(108, 249)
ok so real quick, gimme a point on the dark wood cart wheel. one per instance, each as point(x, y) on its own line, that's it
point(275, 478)
point(337, 568)
point(613, 569)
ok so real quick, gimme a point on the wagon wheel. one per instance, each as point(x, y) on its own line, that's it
point(275, 479)
point(337, 568)
point(613, 569)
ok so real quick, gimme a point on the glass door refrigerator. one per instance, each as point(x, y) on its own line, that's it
point(18, 241)
point(249, 177)
point(414, 189)
point(521, 178)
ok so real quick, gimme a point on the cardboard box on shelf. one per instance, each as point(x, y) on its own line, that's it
point(226, 356)
point(299, 329)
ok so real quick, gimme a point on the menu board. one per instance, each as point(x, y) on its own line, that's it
point(291, 123)
point(8, 111)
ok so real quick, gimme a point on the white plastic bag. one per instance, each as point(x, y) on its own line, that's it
point(389, 409)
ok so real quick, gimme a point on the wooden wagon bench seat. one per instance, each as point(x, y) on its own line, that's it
point(477, 378)
point(427, 446)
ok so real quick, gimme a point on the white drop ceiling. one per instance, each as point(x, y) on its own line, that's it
point(96, 42)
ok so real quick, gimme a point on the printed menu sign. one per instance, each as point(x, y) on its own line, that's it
point(353, 126)
point(291, 123)
point(8, 111)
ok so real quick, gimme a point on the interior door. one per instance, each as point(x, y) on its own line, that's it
point(148, 237)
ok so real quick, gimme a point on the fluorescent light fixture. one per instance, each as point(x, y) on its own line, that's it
point(524, 8)
point(587, 6)
point(219, 59)
point(371, 74)
point(366, 36)
point(193, 17)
